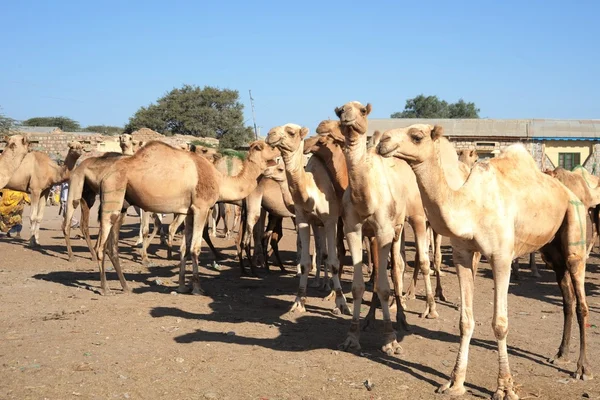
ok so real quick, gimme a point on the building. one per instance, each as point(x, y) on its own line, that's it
point(564, 143)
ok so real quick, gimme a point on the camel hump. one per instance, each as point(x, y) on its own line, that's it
point(519, 154)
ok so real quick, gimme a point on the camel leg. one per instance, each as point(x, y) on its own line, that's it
point(226, 217)
point(341, 306)
point(266, 241)
point(113, 251)
point(374, 260)
point(216, 253)
point(319, 238)
point(34, 218)
point(112, 203)
point(304, 233)
point(422, 243)
point(384, 239)
point(173, 227)
point(148, 238)
point(341, 250)
point(368, 262)
point(437, 263)
point(212, 221)
point(533, 266)
point(298, 254)
point(144, 226)
point(84, 225)
point(463, 261)
point(236, 218)
point(243, 238)
point(353, 230)
point(277, 235)
point(258, 232)
point(397, 273)
point(199, 219)
point(187, 236)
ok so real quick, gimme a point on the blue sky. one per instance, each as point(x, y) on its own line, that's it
point(98, 62)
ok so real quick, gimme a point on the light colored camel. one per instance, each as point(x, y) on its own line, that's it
point(231, 166)
point(315, 204)
point(16, 149)
point(468, 156)
point(523, 210)
point(382, 193)
point(36, 175)
point(194, 187)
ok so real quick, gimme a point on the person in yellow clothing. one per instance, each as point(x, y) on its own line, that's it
point(12, 204)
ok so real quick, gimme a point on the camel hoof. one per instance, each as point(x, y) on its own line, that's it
point(350, 344)
point(508, 394)
point(33, 243)
point(440, 296)
point(298, 307)
point(584, 373)
point(537, 275)
point(106, 292)
point(431, 315)
point(392, 348)
point(326, 287)
point(559, 360)
point(441, 273)
point(183, 289)
point(126, 290)
point(452, 390)
point(315, 283)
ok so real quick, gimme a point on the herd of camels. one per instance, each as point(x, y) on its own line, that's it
point(363, 189)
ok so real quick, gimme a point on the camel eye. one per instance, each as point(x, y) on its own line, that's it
point(363, 110)
point(417, 139)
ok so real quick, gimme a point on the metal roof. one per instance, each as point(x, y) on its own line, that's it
point(35, 129)
point(535, 129)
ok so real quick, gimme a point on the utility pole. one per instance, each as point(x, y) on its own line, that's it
point(253, 116)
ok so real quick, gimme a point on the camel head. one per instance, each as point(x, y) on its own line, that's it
point(414, 144)
point(550, 172)
point(331, 128)
point(135, 145)
point(287, 138)
point(17, 143)
point(277, 171)
point(76, 148)
point(209, 153)
point(468, 156)
point(353, 119)
point(126, 143)
point(262, 154)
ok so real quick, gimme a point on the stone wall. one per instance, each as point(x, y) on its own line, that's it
point(56, 144)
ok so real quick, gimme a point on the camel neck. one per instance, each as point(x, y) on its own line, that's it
point(295, 173)
point(65, 171)
point(285, 193)
point(360, 171)
point(9, 162)
point(335, 162)
point(236, 188)
point(438, 198)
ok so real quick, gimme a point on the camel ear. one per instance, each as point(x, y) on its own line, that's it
point(437, 132)
point(472, 153)
point(338, 111)
point(368, 109)
point(303, 132)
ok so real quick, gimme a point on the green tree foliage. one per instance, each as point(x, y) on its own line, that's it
point(64, 123)
point(432, 107)
point(105, 129)
point(5, 122)
point(202, 112)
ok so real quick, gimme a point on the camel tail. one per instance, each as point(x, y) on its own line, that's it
point(100, 207)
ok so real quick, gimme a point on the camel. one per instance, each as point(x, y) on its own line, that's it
point(315, 204)
point(589, 196)
point(226, 165)
point(382, 193)
point(16, 149)
point(36, 175)
point(523, 210)
point(194, 187)
point(328, 146)
point(468, 156)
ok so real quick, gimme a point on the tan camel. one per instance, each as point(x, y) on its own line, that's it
point(315, 204)
point(36, 175)
point(589, 196)
point(272, 195)
point(16, 149)
point(468, 156)
point(523, 210)
point(226, 165)
point(194, 187)
point(382, 193)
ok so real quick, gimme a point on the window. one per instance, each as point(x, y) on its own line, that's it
point(568, 160)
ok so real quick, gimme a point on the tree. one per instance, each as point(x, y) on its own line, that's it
point(201, 112)
point(6, 122)
point(432, 107)
point(64, 123)
point(105, 129)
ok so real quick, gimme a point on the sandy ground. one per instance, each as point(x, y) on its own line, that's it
point(61, 340)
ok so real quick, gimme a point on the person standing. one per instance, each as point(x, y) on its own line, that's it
point(12, 205)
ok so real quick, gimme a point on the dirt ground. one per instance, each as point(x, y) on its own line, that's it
point(61, 340)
